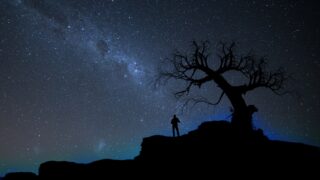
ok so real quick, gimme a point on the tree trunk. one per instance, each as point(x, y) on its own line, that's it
point(241, 117)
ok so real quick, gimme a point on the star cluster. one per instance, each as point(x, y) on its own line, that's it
point(76, 76)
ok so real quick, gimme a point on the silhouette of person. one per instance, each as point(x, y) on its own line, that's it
point(174, 122)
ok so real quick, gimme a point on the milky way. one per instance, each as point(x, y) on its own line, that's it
point(77, 77)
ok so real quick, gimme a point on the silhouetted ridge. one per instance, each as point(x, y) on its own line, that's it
point(212, 140)
point(101, 168)
point(218, 141)
point(20, 175)
point(214, 145)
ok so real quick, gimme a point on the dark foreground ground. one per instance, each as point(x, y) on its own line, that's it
point(215, 149)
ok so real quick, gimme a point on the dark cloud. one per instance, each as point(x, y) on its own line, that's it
point(102, 47)
point(75, 73)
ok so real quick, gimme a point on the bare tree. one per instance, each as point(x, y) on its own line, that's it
point(198, 68)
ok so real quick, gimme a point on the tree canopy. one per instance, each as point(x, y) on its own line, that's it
point(199, 66)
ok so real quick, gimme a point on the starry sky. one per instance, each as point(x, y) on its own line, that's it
point(76, 76)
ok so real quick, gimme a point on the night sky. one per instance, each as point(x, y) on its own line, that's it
point(76, 77)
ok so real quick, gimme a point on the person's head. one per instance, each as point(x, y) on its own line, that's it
point(174, 115)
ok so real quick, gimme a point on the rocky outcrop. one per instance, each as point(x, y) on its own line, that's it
point(213, 148)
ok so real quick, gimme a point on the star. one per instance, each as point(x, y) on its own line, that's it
point(77, 78)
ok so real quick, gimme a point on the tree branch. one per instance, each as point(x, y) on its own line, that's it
point(200, 99)
point(194, 70)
